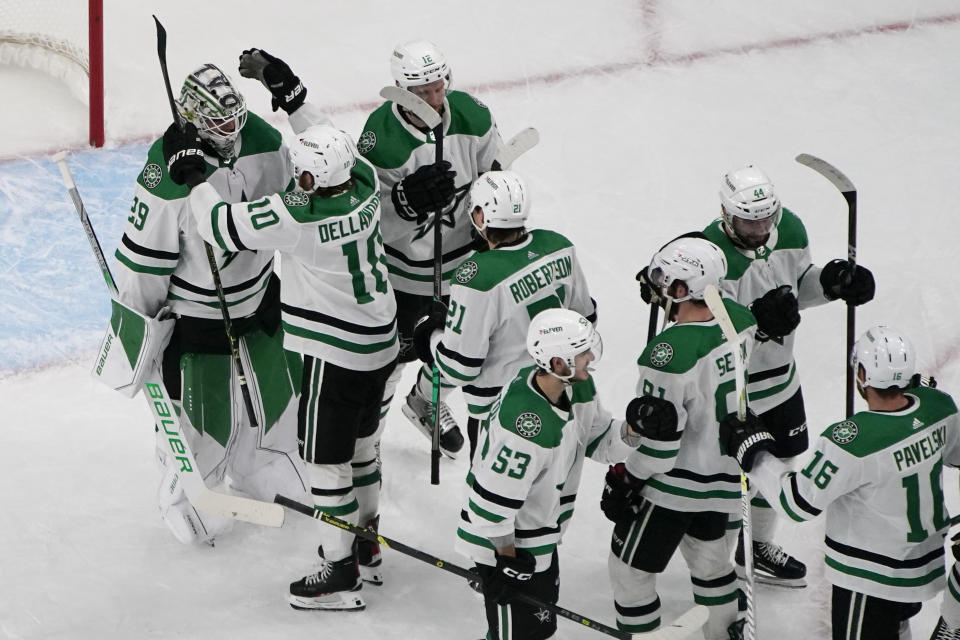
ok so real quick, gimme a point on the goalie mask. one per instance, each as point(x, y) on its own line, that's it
point(417, 63)
point(564, 334)
point(695, 261)
point(209, 100)
point(502, 197)
point(887, 358)
point(749, 206)
point(326, 153)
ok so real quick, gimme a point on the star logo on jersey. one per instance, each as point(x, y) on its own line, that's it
point(366, 143)
point(844, 432)
point(528, 424)
point(466, 271)
point(296, 199)
point(543, 616)
point(152, 174)
point(662, 354)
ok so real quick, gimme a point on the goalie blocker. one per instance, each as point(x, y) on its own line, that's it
point(132, 344)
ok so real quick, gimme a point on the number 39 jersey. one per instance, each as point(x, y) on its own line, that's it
point(337, 304)
point(878, 477)
point(526, 471)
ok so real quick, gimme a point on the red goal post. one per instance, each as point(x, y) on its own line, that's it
point(63, 38)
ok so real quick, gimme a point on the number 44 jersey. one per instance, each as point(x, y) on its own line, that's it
point(878, 477)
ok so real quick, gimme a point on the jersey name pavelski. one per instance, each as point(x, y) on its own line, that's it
point(691, 365)
point(526, 471)
point(470, 144)
point(493, 297)
point(337, 304)
point(785, 259)
point(878, 477)
point(161, 258)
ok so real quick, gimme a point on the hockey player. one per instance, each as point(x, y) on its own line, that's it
point(161, 262)
point(677, 490)
point(337, 308)
point(412, 188)
point(526, 473)
point(770, 269)
point(480, 342)
point(877, 474)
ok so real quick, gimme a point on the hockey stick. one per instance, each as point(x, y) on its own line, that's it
point(214, 270)
point(164, 415)
point(712, 297)
point(680, 628)
point(845, 186)
point(434, 121)
point(516, 147)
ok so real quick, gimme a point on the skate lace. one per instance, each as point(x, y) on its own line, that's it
point(326, 568)
point(447, 421)
point(943, 632)
point(774, 553)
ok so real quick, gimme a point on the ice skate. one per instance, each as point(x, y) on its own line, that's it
point(335, 586)
point(420, 412)
point(774, 566)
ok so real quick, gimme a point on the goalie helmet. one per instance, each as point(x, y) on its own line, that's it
point(887, 358)
point(695, 261)
point(748, 194)
point(326, 153)
point(564, 334)
point(417, 63)
point(209, 100)
point(503, 198)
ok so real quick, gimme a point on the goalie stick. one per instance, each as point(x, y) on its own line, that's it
point(845, 186)
point(164, 415)
point(680, 628)
point(712, 297)
point(516, 147)
point(434, 121)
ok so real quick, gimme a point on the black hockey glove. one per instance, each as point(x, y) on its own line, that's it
point(423, 330)
point(854, 286)
point(777, 313)
point(287, 90)
point(183, 155)
point(653, 418)
point(429, 188)
point(513, 573)
point(744, 440)
point(647, 291)
point(621, 497)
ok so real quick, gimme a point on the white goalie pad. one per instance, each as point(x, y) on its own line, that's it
point(132, 344)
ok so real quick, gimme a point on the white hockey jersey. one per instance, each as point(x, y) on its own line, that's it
point(691, 365)
point(526, 471)
point(493, 297)
point(161, 258)
point(878, 477)
point(471, 142)
point(784, 259)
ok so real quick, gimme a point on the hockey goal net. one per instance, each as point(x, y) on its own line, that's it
point(63, 38)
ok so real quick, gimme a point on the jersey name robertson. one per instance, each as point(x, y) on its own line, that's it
point(529, 283)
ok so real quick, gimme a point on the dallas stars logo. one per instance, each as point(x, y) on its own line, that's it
point(152, 174)
point(662, 354)
point(466, 271)
point(543, 616)
point(528, 424)
point(366, 143)
point(296, 199)
point(844, 432)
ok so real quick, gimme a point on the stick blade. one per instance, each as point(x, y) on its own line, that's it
point(412, 103)
point(517, 146)
point(266, 514)
point(687, 624)
point(828, 171)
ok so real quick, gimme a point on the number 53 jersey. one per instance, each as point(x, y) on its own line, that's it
point(878, 477)
point(337, 304)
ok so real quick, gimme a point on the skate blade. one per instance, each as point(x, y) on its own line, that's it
point(425, 430)
point(329, 602)
point(765, 578)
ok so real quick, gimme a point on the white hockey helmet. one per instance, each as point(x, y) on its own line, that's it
point(747, 193)
point(327, 153)
point(564, 334)
point(209, 100)
point(503, 198)
point(696, 261)
point(887, 358)
point(418, 62)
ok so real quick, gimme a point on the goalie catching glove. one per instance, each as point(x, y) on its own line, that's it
point(429, 188)
point(777, 313)
point(285, 87)
point(744, 440)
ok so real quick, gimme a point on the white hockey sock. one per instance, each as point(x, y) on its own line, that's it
point(764, 523)
point(366, 476)
point(424, 385)
point(332, 489)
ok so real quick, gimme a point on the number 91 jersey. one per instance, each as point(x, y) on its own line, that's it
point(337, 304)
